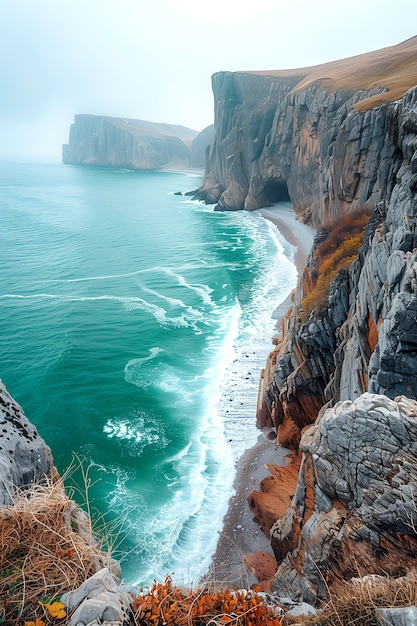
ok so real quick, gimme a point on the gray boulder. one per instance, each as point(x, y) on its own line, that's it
point(99, 600)
point(355, 506)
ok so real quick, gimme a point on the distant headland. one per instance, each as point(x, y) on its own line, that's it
point(134, 144)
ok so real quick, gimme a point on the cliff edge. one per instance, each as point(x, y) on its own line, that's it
point(315, 135)
point(339, 140)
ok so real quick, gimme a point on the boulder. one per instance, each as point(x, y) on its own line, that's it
point(98, 600)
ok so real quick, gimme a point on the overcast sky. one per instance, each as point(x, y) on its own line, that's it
point(153, 59)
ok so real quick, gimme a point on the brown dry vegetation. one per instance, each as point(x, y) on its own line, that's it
point(355, 603)
point(167, 605)
point(335, 253)
point(393, 68)
point(45, 550)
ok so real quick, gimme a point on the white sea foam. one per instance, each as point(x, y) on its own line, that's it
point(239, 388)
point(185, 530)
point(155, 269)
point(132, 363)
point(202, 290)
point(200, 475)
point(174, 302)
point(138, 430)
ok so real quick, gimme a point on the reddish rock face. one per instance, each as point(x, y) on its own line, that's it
point(262, 565)
point(277, 491)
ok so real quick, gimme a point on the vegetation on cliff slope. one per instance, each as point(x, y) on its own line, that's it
point(391, 71)
point(167, 605)
point(336, 252)
point(46, 549)
point(357, 601)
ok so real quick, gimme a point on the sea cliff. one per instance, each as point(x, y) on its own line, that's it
point(340, 140)
point(339, 387)
point(133, 144)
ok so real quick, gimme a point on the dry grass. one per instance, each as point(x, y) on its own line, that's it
point(355, 603)
point(45, 550)
point(393, 68)
point(337, 252)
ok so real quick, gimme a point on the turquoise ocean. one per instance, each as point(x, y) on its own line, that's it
point(133, 326)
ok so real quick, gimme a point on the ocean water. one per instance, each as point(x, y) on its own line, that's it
point(133, 326)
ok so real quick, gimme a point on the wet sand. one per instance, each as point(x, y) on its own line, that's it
point(240, 534)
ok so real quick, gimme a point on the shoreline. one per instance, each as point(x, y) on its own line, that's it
point(240, 535)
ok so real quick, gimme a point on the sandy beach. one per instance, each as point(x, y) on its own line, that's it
point(240, 534)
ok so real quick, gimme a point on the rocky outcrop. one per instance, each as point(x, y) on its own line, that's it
point(40, 523)
point(132, 144)
point(340, 140)
point(360, 459)
point(313, 134)
point(366, 337)
point(24, 456)
point(99, 600)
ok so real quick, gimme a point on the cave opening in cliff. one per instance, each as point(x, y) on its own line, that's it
point(277, 191)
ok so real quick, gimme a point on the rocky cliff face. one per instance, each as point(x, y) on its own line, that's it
point(366, 338)
point(132, 144)
point(24, 456)
point(340, 140)
point(354, 507)
point(314, 134)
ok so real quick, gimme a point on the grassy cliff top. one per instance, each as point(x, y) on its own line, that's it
point(393, 68)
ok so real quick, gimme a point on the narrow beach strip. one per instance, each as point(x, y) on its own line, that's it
point(240, 534)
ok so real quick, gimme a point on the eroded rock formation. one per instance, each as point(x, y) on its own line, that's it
point(316, 134)
point(339, 140)
point(361, 460)
point(366, 339)
point(133, 144)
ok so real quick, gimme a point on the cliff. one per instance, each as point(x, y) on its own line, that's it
point(48, 550)
point(340, 140)
point(133, 144)
point(315, 135)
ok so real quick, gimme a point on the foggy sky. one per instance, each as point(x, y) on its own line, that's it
point(153, 59)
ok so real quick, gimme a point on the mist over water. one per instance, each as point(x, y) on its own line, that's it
point(133, 326)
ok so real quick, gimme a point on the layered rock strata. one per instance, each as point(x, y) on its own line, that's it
point(360, 467)
point(339, 139)
point(366, 339)
point(133, 144)
point(313, 134)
